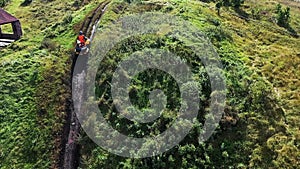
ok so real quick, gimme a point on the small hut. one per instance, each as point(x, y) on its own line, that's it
point(6, 18)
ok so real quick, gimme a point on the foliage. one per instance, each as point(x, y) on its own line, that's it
point(3, 2)
point(34, 83)
point(49, 44)
point(26, 2)
point(228, 3)
point(255, 13)
point(237, 3)
point(260, 128)
point(283, 16)
point(242, 139)
point(24, 136)
point(218, 7)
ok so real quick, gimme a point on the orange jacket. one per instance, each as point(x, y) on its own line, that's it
point(81, 38)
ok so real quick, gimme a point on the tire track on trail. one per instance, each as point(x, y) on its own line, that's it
point(70, 149)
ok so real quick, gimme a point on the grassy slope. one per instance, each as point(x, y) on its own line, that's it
point(262, 64)
point(274, 54)
point(34, 78)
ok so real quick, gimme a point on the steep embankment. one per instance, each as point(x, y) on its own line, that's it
point(261, 64)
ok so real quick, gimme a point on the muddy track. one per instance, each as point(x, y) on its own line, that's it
point(70, 148)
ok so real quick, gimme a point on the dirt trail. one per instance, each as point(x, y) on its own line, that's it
point(70, 153)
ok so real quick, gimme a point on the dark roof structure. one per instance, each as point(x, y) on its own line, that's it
point(6, 18)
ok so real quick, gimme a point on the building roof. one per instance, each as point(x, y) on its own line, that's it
point(6, 17)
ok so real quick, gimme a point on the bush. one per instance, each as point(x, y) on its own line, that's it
point(48, 44)
point(225, 3)
point(67, 19)
point(228, 3)
point(77, 3)
point(218, 7)
point(255, 13)
point(217, 34)
point(3, 2)
point(26, 2)
point(237, 3)
point(283, 16)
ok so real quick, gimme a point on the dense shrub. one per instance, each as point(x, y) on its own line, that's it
point(3, 2)
point(255, 13)
point(218, 7)
point(237, 3)
point(26, 2)
point(67, 19)
point(48, 44)
point(77, 3)
point(228, 3)
point(283, 16)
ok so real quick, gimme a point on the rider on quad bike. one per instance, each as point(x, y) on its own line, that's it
point(82, 44)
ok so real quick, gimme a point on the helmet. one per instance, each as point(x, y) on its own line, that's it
point(80, 33)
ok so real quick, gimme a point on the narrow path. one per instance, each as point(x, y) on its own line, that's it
point(70, 153)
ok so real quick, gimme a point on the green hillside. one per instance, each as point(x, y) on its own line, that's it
point(257, 41)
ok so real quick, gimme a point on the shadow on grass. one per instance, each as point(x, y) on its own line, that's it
point(288, 27)
point(242, 13)
point(292, 31)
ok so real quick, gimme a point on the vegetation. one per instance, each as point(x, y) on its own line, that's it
point(254, 116)
point(283, 16)
point(34, 83)
point(227, 3)
point(260, 55)
point(3, 3)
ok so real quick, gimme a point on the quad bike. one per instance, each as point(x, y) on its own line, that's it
point(82, 49)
